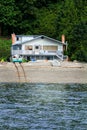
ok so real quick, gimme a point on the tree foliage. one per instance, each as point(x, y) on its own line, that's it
point(78, 47)
point(5, 46)
point(49, 17)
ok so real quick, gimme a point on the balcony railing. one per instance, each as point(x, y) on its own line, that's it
point(30, 52)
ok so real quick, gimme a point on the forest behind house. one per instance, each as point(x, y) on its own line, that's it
point(45, 17)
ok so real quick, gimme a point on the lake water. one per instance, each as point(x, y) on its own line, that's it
point(43, 106)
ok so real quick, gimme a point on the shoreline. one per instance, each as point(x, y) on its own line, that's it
point(44, 72)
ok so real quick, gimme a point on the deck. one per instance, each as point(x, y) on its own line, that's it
point(39, 53)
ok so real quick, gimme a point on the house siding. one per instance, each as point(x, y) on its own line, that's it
point(42, 43)
point(38, 47)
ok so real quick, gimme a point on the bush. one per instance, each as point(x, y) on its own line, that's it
point(81, 55)
point(24, 60)
point(5, 49)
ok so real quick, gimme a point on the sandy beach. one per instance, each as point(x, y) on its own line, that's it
point(44, 72)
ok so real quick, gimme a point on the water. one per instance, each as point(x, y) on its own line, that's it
point(43, 106)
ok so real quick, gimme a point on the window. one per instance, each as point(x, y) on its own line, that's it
point(28, 47)
point(16, 47)
point(17, 38)
point(36, 47)
point(50, 48)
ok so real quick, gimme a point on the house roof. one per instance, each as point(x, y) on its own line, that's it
point(34, 37)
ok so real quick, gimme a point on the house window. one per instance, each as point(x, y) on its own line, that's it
point(36, 47)
point(16, 47)
point(28, 47)
point(17, 38)
point(50, 48)
point(42, 37)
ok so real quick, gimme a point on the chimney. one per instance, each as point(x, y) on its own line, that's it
point(13, 38)
point(63, 38)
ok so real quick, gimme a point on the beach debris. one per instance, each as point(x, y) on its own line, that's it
point(56, 63)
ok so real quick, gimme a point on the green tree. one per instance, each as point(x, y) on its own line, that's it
point(78, 46)
point(66, 18)
point(5, 48)
point(45, 22)
point(8, 14)
point(27, 15)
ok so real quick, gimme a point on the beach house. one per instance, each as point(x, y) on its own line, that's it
point(34, 47)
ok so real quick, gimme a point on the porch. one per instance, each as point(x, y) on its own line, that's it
point(42, 53)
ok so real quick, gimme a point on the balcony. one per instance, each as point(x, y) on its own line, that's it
point(30, 52)
point(36, 53)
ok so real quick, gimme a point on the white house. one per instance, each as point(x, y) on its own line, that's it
point(37, 47)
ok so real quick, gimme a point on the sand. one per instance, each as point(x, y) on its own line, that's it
point(44, 72)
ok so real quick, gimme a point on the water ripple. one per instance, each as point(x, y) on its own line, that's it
point(43, 106)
